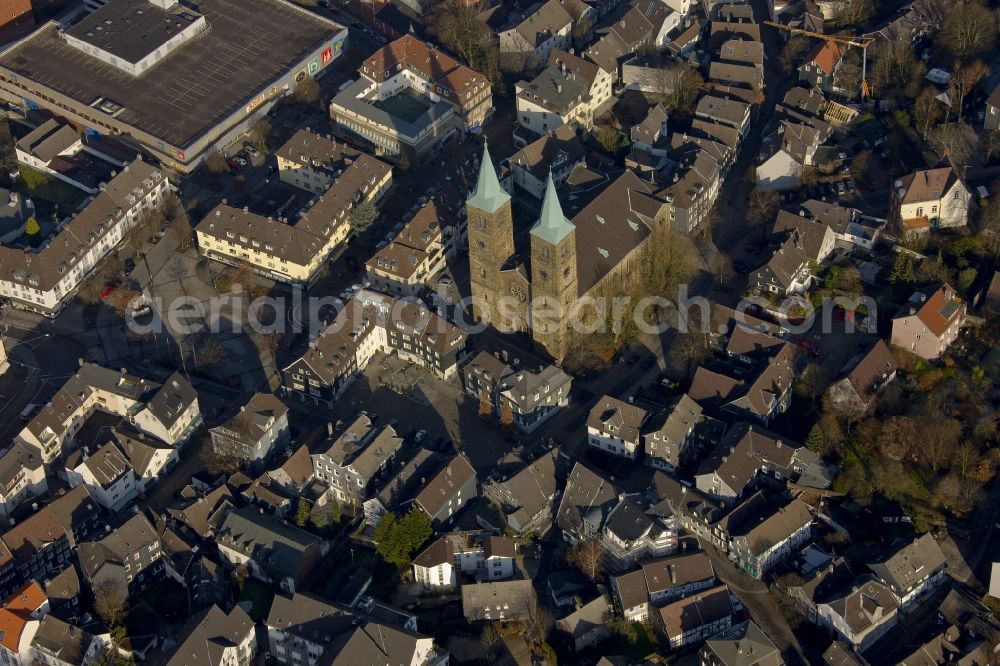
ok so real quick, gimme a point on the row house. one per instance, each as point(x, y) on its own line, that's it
point(615, 426)
point(525, 498)
point(912, 570)
point(695, 618)
point(631, 534)
point(22, 477)
point(402, 487)
point(130, 557)
point(255, 433)
point(412, 259)
point(529, 397)
point(569, 91)
point(448, 491)
point(45, 279)
point(372, 323)
point(557, 152)
point(532, 40)
point(350, 462)
point(660, 582)
point(168, 411)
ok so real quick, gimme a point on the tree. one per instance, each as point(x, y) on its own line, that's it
point(762, 208)
point(259, 133)
point(182, 229)
point(932, 270)
point(966, 277)
point(31, 227)
point(506, 417)
point(485, 404)
point(810, 383)
point(209, 353)
point(241, 575)
point(792, 52)
point(398, 539)
point(8, 157)
point(588, 557)
point(325, 515)
point(969, 29)
point(492, 638)
point(931, 13)
point(608, 137)
point(847, 280)
point(676, 86)
point(964, 77)
point(626, 629)
point(302, 512)
point(956, 140)
point(363, 218)
point(124, 298)
point(856, 12)
point(939, 436)
point(816, 441)
point(110, 599)
point(894, 64)
point(926, 111)
point(307, 91)
point(460, 28)
point(216, 163)
point(902, 269)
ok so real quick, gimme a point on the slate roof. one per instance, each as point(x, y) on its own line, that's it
point(743, 644)
point(588, 497)
point(778, 526)
point(539, 26)
point(911, 563)
point(697, 610)
point(454, 475)
point(668, 573)
point(744, 448)
point(926, 185)
point(207, 634)
point(871, 371)
point(628, 522)
point(61, 640)
point(858, 607)
point(611, 415)
point(309, 617)
point(266, 539)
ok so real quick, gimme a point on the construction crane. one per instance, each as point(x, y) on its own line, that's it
point(848, 40)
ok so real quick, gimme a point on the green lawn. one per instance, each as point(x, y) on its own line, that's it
point(38, 185)
point(261, 595)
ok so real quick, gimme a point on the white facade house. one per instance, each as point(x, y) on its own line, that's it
point(167, 411)
point(107, 473)
point(480, 556)
point(547, 28)
point(44, 280)
point(22, 476)
point(569, 91)
point(929, 199)
point(616, 427)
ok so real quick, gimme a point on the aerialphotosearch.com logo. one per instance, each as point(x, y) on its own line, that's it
point(235, 312)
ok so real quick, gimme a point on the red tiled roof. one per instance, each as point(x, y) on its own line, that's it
point(827, 56)
point(932, 311)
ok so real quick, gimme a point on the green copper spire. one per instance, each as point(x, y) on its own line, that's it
point(552, 225)
point(488, 195)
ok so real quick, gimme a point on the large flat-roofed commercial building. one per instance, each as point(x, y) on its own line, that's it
point(410, 99)
point(172, 80)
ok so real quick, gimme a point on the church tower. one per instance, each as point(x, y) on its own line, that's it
point(491, 236)
point(554, 285)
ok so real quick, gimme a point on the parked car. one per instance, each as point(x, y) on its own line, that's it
point(841, 188)
point(29, 411)
point(107, 291)
point(810, 347)
point(251, 150)
point(419, 436)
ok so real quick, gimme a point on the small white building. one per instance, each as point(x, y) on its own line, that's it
point(929, 199)
point(481, 556)
point(107, 473)
point(615, 426)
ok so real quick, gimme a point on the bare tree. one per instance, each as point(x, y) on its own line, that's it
point(931, 13)
point(259, 133)
point(964, 77)
point(492, 638)
point(856, 12)
point(969, 29)
point(956, 140)
point(792, 52)
point(677, 86)
point(110, 599)
point(609, 138)
point(926, 111)
point(762, 208)
point(307, 91)
point(208, 353)
point(124, 299)
point(216, 163)
point(588, 557)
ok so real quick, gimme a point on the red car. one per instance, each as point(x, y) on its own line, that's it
point(108, 290)
point(810, 347)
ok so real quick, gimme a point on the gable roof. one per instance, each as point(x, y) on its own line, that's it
point(741, 452)
point(926, 185)
point(871, 370)
point(546, 21)
point(911, 563)
point(617, 416)
point(826, 56)
point(206, 635)
point(588, 497)
point(442, 488)
point(696, 611)
point(743, 644)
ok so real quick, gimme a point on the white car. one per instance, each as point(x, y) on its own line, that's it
point(419, 437)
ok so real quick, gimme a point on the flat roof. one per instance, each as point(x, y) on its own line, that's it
point(132, 29)
point(250, 44)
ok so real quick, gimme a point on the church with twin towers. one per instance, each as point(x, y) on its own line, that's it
point(534, 287)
